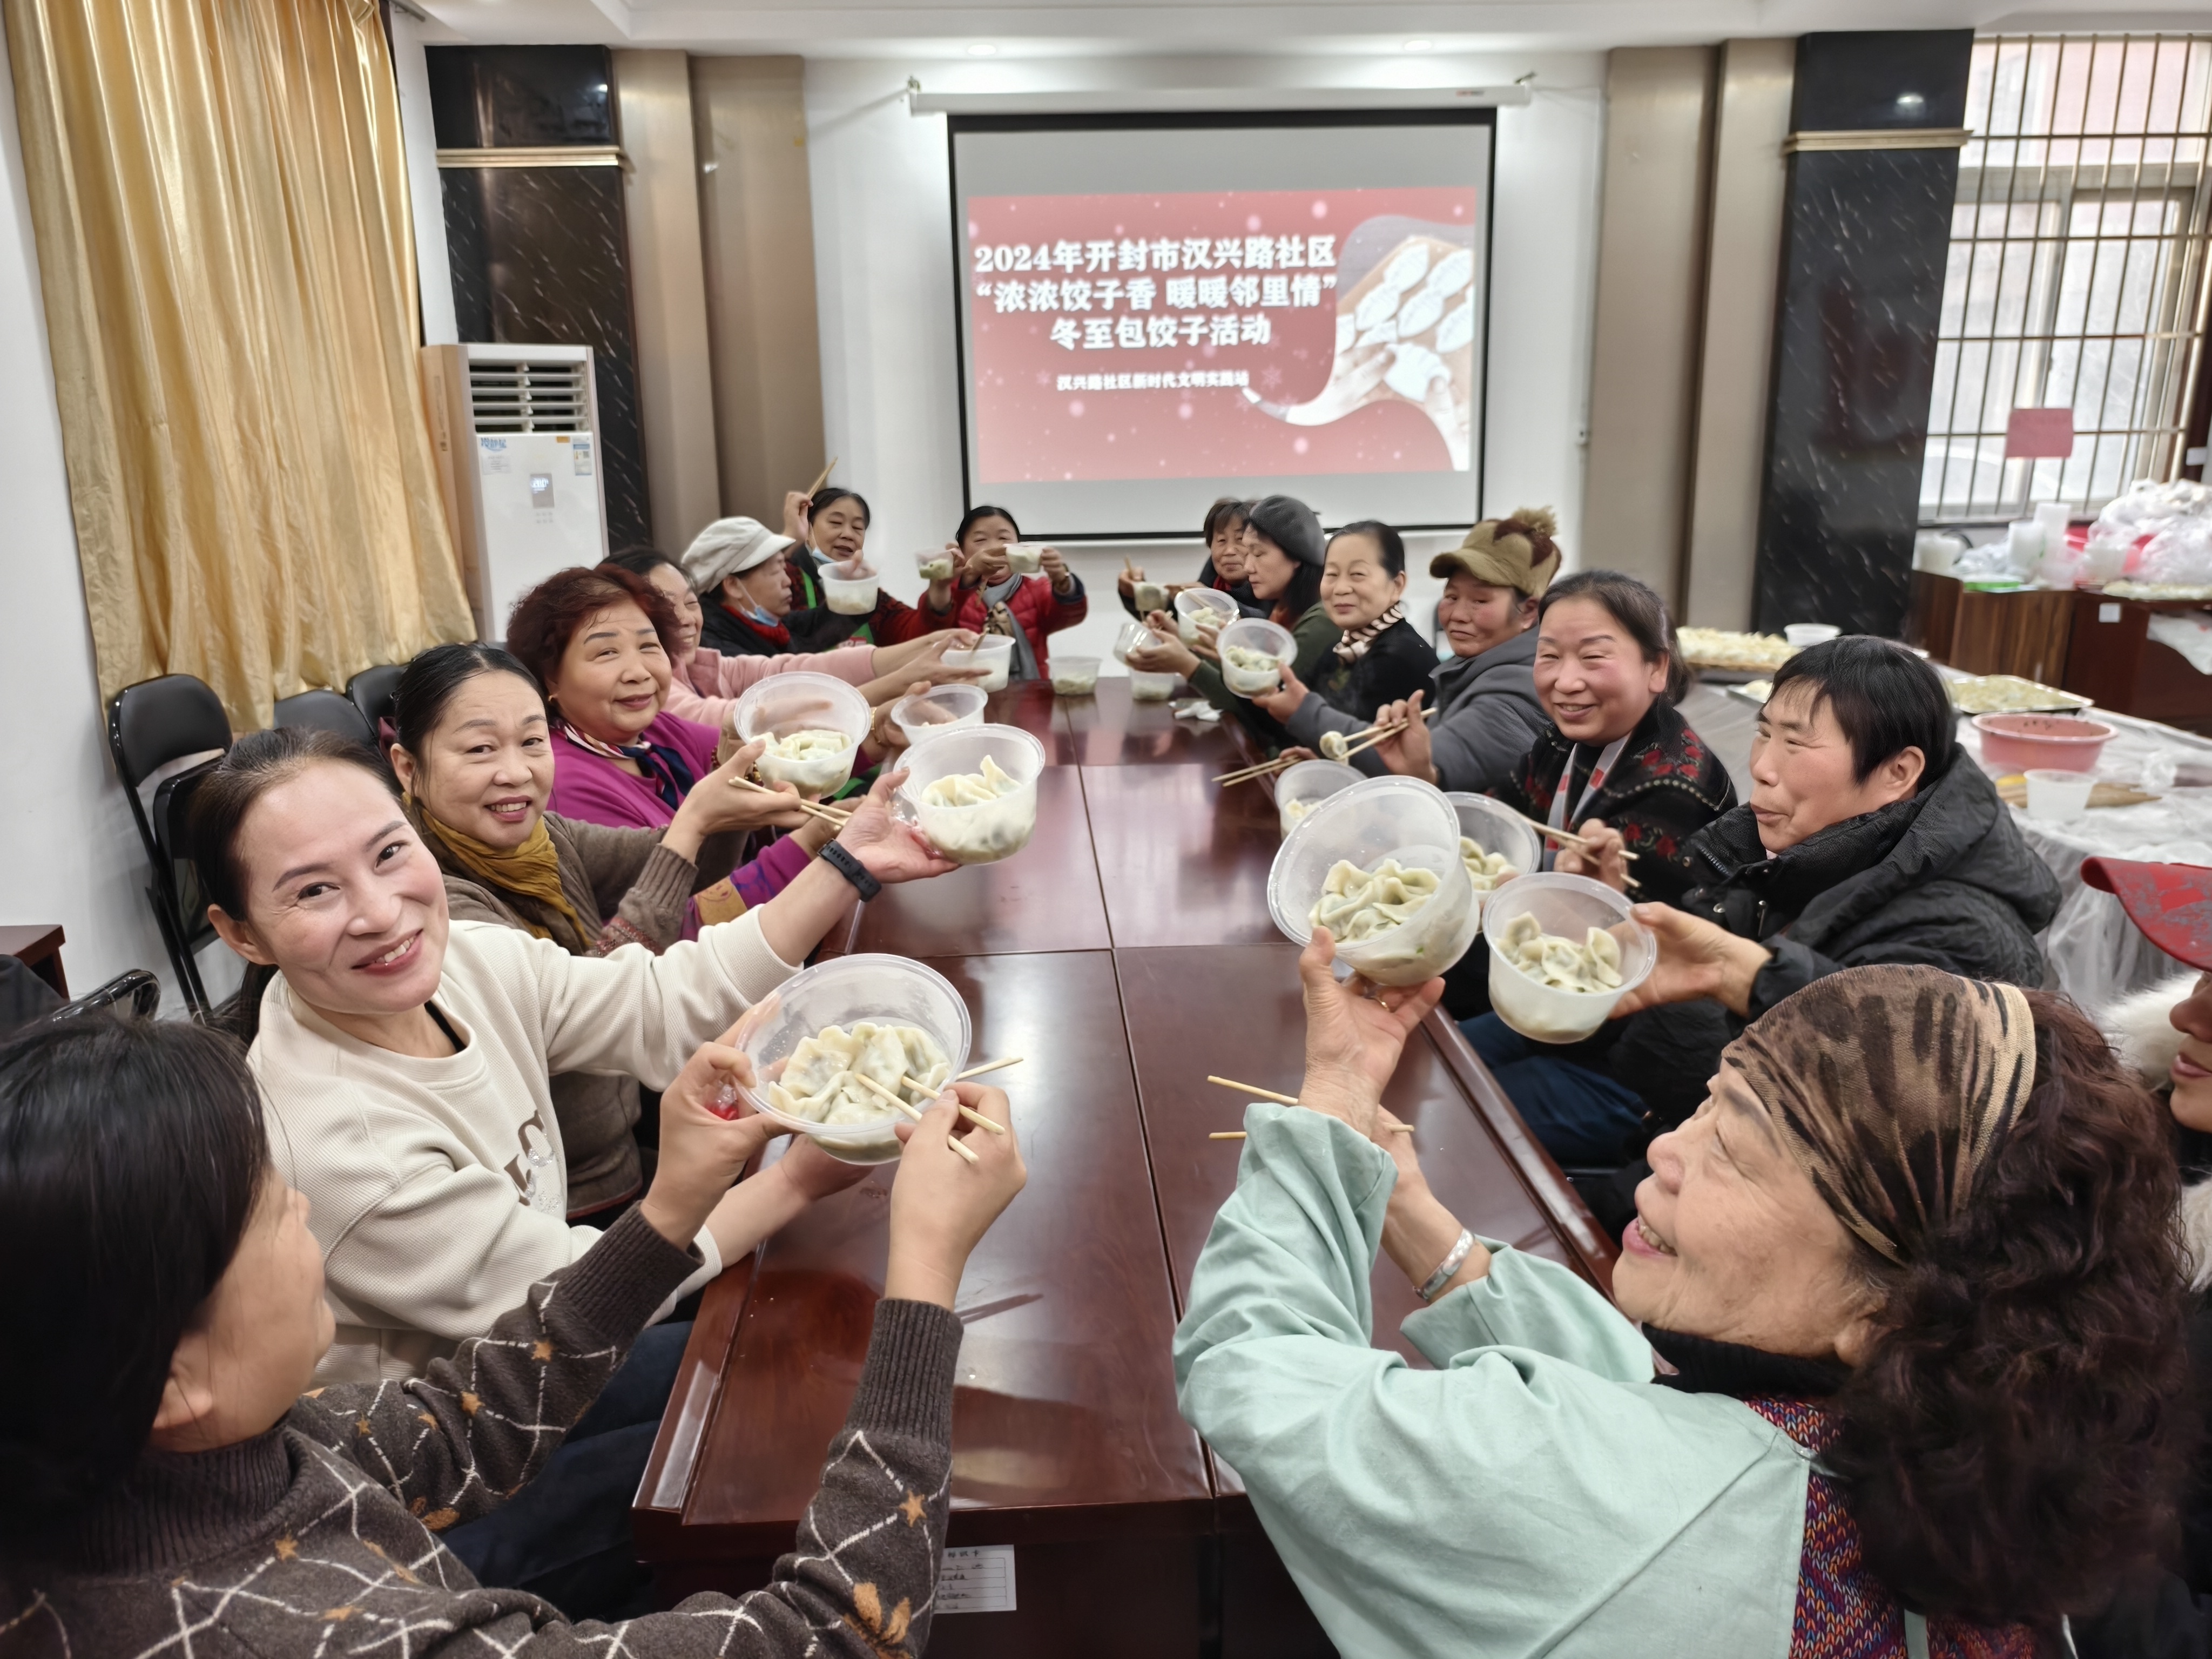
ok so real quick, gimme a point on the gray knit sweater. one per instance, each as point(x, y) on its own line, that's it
point(318, 1537)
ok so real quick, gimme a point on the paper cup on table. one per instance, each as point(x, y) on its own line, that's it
point(989, 830)
point(1567, 907)
point(1256, 634)
point(1364, 823)
point(1200, 610)
point(942, 708)
point(880, 990)
point(2055, 796)
point(782, 706)
point(1305, 786)
point(994, 654)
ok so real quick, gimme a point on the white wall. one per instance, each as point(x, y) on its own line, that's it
point(68, 850)
point(883, 249)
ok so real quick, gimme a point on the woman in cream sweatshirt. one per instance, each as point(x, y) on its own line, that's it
point(406, 1057)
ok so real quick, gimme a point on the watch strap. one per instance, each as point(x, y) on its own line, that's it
point(842, 861)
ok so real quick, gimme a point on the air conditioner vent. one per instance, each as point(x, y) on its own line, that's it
point(529, 396)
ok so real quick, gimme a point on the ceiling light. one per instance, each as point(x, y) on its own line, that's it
point(983, 49)
point(1419, 45)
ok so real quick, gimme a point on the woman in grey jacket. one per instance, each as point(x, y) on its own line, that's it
point(1485, 690)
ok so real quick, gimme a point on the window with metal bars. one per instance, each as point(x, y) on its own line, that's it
point(2078, 275)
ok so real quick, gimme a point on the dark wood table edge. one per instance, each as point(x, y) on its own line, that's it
point(664, 1489)
point(1546, 1185)
point(38, 946)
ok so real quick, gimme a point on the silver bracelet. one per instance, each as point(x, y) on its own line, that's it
point(1429, 1288)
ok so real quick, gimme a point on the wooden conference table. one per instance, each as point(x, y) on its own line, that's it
point(1126, 953)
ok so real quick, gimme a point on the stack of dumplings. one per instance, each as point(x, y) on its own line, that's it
point(1592, 967)
point(1359, 904)
point(1248, 672)
point(809, 746)
point(1485, 870)
point(970, 788)
point(976, 817)
point(820, 1083)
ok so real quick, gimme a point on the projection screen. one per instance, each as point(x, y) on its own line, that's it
point(1157, 310)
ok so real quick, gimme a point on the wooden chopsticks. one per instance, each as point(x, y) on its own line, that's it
point(901, 1102)
point(1269, 1094)
point(813, 809)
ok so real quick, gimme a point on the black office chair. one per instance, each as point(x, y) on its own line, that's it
point(151, 726)
point(372, 691)
point(134, 986)
point(326, 711)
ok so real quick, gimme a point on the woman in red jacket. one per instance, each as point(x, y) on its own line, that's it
point(991, 597)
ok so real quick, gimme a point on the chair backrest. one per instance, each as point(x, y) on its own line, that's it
point(326, 711)
point(374, 690)
point(173, 852)
point(156, 721)
point(134, 986)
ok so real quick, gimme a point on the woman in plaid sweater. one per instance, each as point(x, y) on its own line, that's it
point(164, 1486)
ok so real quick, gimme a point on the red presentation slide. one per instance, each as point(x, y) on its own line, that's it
point(1222, 334)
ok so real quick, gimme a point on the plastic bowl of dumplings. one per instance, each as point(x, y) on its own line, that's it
point(1254, 654)
point(1202, 608)
point(973, 793)
point(1305, 786)
point(813, 725)
point(1400, 833)
point(933, 567)
point(1025, 559)
point(993, 654)
point(1588, 941)
point(804, 1068)
point(1148, 596)
point(1133, 636)
point(1074, 677)
point(849, 596)
point(1150, 688)
point(1498, 833)
point(939, 709)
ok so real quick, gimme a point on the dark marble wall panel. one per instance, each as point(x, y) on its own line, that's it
point(1865, 238)
point(549, 264)
point(540, 256)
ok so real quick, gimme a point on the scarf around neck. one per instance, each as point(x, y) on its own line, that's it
point(1353, 644)
point(1890, 1087)
point(531, 871)
point(668, 772)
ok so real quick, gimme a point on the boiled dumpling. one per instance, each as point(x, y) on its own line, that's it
point(1591, 967)
point(809, 746)
point(1357, 904)
point(978, 818)
point(819, 1082)
point(970, 788)
point(1334, 746)
point(1485, 870)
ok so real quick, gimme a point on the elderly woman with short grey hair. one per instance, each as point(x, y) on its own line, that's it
point(1913, 1274)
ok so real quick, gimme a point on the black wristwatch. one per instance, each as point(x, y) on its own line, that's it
point(853, 870)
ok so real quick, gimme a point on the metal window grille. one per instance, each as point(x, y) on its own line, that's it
point(2078, 275)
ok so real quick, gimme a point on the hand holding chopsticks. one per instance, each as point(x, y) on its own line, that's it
point(1269, 1094)
point(812, 809)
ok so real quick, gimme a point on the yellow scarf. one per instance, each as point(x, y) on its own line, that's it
point(532, 870)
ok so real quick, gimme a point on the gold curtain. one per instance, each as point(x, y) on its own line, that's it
point(220, 201)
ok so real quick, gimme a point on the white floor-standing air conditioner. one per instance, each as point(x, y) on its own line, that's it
point(517, 432)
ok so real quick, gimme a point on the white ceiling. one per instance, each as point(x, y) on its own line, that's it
point(921, 32)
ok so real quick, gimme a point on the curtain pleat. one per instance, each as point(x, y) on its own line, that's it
point(220, 200)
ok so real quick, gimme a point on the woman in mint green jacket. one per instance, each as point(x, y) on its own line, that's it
point(1912, 1264)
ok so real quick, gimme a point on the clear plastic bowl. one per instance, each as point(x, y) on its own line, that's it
point(1365, 822)
point(1133, 636)
point(1307, 784)
point(1801, 634)
point(1569, 906)
point(934, 566)
point(943, 708)
point(887, 990)
point(994, 652)
point(1255, 633)
point(1074, 677)
point(1148, 596)
point(982, 834)
point(855, 598)
point(784, 703)
point(1024, 560)
point(1496, 830)
point(1196, 604)
point(1150, 688)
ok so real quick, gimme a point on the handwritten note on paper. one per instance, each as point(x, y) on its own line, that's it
point(980, 1580)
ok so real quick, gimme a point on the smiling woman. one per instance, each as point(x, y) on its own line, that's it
point(1921, 1231)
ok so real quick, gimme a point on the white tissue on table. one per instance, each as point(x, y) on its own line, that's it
point(2189, 632)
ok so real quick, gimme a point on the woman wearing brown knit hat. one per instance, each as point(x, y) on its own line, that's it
point(1913, 1271)
point(1485, 688)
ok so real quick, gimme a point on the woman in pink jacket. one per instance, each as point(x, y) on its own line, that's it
point(704, 685)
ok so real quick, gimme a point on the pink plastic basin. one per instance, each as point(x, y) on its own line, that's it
point(2063, 743)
